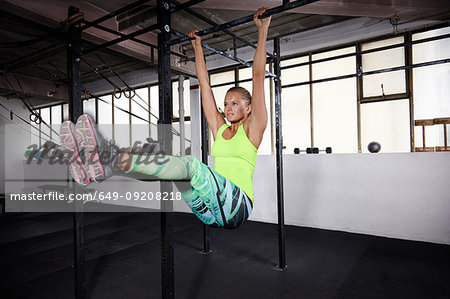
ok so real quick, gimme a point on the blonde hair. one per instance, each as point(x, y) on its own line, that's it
point(245, 94)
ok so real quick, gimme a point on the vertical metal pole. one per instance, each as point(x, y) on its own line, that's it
point(279, 151)
point(2, 166)
point(165, 138)
point(359, 93)
point(181, 113)
point(311, 99)
point(272, 143)
point(410, 89)
point(75, 110)
point(204, 125)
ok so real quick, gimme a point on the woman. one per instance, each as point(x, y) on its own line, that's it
point(222, 197)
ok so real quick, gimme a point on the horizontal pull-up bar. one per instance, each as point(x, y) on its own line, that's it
point(269, 12)
point(220, 52)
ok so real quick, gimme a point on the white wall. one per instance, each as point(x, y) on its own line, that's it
point(404, 196)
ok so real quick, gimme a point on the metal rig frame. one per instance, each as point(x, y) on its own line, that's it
point(165, 8)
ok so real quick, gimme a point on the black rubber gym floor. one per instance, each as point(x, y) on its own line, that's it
point(123, 261)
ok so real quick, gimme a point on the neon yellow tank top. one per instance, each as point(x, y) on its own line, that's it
point(235, 159)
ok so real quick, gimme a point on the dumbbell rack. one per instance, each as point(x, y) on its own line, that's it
point(431, 122)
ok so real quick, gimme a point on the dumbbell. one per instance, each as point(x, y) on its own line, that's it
point(316, 150)
point(298, 151)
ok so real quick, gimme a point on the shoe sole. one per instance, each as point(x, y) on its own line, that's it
point(89, 143)
point(69, 144)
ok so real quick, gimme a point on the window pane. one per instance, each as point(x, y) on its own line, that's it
point(89, 107)
point(245, 73)
point(140, 129)
point(56, 114)
point(334, 68)
point(65, 112)
point(223, 77)
point(187, 98)
point(388, 124)
point(34, 134)
point(122, 121)
point(287, 62)
point(296, 118)
point(429, 51)
point(154, 108)
point(139, 106)
point(105, 116)
point(431, 91)
point(335, 115)
point(296, 74)
point(56, 121)
point(387, 83)
point(45, 130)
point(175, 100)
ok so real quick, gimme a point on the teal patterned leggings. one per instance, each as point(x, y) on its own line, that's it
point(214, 199)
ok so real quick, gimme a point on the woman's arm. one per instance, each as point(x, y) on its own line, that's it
point(213, 116)
point(258, 117)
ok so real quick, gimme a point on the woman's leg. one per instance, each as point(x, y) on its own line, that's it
point(211, 195)
point(195, 202)
point(226, 204)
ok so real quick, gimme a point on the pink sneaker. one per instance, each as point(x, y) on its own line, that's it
point(69, 147)
point(101, 156)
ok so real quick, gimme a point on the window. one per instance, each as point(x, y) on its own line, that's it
point(383, 83)
point(295, 105)
point(104, 120)
point(45, 125)
point(89, 108)
point(388, 124)
point(431, 86)
point(65, 112)
point(334, 106)
point(140, 127)
point(154, 108)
